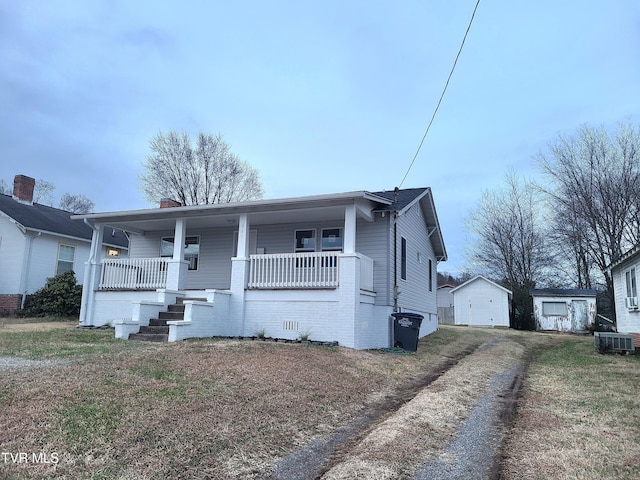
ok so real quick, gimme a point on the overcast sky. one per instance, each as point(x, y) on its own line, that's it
point(320, 97)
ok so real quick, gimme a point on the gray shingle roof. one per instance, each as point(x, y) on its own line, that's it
point(48, 219)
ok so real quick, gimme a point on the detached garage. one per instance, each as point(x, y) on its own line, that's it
point(481, 302)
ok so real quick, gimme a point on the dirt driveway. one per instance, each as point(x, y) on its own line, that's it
point(451, 427)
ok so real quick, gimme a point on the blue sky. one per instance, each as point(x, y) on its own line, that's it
point(320, 97)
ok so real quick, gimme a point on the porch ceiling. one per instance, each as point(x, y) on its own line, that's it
point(164, 219)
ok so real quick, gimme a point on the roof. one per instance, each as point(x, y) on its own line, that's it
point(281, 208)
point(480, 277)
point(41, 218)
point(562, 292)
point(629, 254)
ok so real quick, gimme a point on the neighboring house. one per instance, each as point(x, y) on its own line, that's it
point(564, 310)
point(322, 265)
point(624, 273)
point(445, 304)
point(38, 242)
point(481, 303)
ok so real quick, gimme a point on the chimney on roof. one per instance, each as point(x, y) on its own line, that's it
point(169, 203)
point(23, 188)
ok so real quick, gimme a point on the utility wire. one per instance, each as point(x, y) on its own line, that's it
point(443, 92)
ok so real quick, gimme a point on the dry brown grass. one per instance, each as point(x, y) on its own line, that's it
point(230, 409)
point(196, 409)
point(579, 417)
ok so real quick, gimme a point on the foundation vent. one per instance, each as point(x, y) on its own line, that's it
point(290, 325)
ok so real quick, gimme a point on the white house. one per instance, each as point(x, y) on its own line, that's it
point(481, 302)
point(564, 310)
point(331, 266)
point(445, 304)
point(625, 289)
point(38, 242)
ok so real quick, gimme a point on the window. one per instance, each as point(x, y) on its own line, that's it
point(66, 256)
point(331, 239)
point(113, 252)
point(403, 258)
point(305, 240)
point(430, 275)
point(554, 309)
point(630, 277)
point(191, 250)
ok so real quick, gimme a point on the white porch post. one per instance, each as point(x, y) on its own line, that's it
point(239, 277)
point(91, 275)
point(177, 266)
point(350, 229)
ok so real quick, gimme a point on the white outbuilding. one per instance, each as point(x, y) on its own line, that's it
point(482, 303)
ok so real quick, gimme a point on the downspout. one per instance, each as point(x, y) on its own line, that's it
point(26, 265)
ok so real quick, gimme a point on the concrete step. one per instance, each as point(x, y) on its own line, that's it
point(154, 329)
point(156, 322)
point(179, 300)
point(176, 308)
point(149, 337)
point(171, 316)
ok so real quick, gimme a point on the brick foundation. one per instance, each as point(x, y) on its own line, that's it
point(9, 303)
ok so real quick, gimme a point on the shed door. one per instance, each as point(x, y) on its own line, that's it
point(580, 315)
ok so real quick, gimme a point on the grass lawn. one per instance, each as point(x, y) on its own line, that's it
point(107, 408)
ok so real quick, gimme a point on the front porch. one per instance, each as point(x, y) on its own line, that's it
point(289, 271)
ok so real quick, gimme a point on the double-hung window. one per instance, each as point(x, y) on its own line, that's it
point(66, 257)
point(331, 239)
point(630, 277)
point(306, 240)
point(191, 250)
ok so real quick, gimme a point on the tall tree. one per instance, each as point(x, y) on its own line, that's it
point(43, 192)
point(199, 174)
point(594, 183)
point(77, 204)
point(510, 241)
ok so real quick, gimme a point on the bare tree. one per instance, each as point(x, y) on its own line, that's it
point(43, 192)
point(4, 188)
point(77, 204)
point(197, 175)
point(594, 183)
point(510, 241)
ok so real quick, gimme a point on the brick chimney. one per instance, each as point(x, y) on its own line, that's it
point(169, 203)
point(23, 188)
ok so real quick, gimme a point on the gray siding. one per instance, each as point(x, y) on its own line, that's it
point(414, 291)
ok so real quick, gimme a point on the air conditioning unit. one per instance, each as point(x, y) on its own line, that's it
point(613, 342)
point(631, 303)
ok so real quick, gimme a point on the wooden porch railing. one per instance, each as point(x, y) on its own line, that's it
point(133, 273)
point(294, 270)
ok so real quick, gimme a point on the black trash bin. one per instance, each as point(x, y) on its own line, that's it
point(406, 328)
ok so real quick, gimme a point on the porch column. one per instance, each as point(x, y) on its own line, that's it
point(349, 229)
point(92, 274)
point(239, 278)
point(177, 267)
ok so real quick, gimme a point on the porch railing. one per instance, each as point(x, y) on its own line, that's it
point(133, 273)
point(294, 270)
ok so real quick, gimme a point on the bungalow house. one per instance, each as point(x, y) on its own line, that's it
point(563, 310)
point(481, 303)
point(38, 242)
point(624, 273)
point(333, 267)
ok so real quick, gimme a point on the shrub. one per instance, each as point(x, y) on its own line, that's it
point(60, 297)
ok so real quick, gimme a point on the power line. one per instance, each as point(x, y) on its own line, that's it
point(442, 95)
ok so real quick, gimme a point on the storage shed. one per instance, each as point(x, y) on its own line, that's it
point(481, 302)
point(563, 310)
